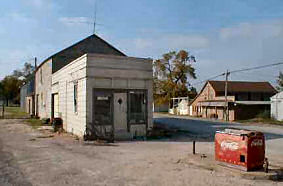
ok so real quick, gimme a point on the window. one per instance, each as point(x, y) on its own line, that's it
point(249, 96)
point(137, 107)
point(103, 108)
point(76, 97)
point(236, 97)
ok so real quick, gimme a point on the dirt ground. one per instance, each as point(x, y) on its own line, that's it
point(33, 157)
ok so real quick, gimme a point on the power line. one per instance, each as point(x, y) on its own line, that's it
point(258, 67)
point(203, 81)
point(235, 71)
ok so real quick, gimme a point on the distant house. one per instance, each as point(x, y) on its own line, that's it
point(27, 97)
point(277, 106)
point(179, 106)
point(96, 90)
point(245, 100)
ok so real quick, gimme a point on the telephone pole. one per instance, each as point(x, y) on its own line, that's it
point(35, 62)
point(226, 94)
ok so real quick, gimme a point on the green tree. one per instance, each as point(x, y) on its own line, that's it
point(280, 81)
point(27, 72)
point(171, 74)
point(11, 89)
point(1, 91)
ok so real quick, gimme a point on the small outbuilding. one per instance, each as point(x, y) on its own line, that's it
point(277, 106)
point(104, 96)
point(95, 90)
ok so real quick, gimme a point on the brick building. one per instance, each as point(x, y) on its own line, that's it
point(245, 100)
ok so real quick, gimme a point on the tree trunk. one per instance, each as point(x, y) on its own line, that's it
point(7, 102)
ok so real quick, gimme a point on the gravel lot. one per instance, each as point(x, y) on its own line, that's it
point(31, 157)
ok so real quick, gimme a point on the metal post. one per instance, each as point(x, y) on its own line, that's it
point(3, 110)
point(194, 147)
point(226, 92)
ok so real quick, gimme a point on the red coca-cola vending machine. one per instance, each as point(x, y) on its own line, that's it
point(242, 149)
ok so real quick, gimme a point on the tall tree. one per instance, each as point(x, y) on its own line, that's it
point(1, 91)
point(26, 72)
point(280, 81)
point(11, 89)
point(171, 74)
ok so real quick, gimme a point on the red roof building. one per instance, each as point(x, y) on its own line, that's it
point(245, 100)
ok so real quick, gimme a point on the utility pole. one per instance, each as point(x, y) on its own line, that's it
point(34, 88)
point(226, 99)
point(35, 62)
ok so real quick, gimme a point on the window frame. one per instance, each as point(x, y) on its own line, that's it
point(144, 92)
point(75, 97)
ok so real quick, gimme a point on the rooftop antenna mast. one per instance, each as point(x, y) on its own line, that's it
point(95, 12)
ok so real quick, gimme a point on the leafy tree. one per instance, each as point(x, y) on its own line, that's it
point(280, 81)
point(1, 91)
point(26, 72)
point(171, 75)
point(11, 89)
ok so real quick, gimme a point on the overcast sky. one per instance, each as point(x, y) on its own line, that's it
point(222, 34)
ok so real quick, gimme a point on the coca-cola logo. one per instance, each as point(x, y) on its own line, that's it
point(229, 145)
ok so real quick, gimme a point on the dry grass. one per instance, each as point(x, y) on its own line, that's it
point(34, 123)
point(14, 113)
point(262, 121)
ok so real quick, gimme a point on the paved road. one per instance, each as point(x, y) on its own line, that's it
point(205, 129)
point(208, 128)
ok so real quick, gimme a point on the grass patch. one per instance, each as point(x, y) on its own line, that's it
point(34, 123)
point(263, 117)
point(262, 120)
point(14, 113)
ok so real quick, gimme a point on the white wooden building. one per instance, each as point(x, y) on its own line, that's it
point(277, 106)
point(96, 90)
point(105, 95)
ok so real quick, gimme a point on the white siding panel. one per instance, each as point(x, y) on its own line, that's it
point(102, 82)
point(120, 83)
point(74, 72)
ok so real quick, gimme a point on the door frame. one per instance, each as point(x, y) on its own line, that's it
point(53, 105)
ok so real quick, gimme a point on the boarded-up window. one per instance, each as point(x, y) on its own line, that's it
point(76, 97)
point(137, 107)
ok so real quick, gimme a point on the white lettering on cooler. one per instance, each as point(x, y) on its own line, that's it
point(229, 145)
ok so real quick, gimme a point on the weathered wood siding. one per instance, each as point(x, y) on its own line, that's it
point(63, 82)
point(115, 72)
point(43, 89)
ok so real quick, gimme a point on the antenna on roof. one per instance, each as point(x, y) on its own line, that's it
point(95, 12)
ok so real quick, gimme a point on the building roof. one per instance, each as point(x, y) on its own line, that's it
point(91, 44)
point(243, 86)
point(278, 96)
point(239, 86)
